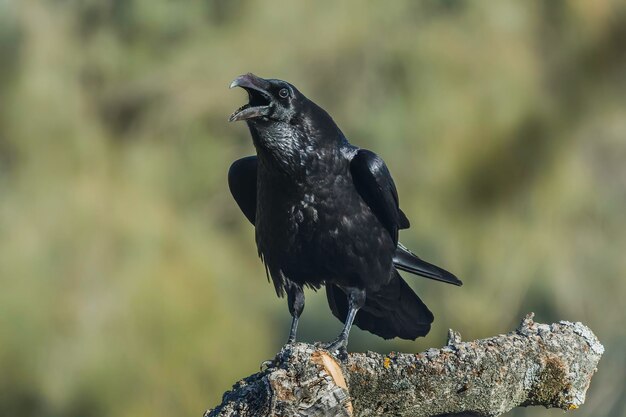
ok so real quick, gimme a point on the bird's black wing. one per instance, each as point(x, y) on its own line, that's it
point(403, 222)
point(242, 184)
point(375, 185)
point(407, 261)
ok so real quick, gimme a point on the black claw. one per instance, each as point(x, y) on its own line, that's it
point(338, 349)
point(342, 354)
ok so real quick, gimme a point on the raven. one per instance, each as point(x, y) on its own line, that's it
point(326, 213)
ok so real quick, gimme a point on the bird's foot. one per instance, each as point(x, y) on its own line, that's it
point(338, 348)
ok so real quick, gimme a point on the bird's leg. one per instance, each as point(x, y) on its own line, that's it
point(295, 300)
point(356, 300)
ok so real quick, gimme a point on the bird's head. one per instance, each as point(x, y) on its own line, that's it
point(269, 100)
point(285, 125)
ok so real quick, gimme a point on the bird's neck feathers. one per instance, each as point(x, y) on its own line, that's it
point(279, 145)
point(291, 147)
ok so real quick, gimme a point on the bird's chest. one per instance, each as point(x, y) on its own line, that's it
point(301, 222)
point(288, 219)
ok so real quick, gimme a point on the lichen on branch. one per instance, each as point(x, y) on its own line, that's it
point(537, 364)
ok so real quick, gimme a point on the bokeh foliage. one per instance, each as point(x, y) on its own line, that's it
point(129, 284)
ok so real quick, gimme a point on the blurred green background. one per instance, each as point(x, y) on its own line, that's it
point(129, 282)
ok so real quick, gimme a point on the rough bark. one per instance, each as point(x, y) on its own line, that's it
point(537, 364)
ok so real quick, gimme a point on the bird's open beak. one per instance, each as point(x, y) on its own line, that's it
point(260, 100)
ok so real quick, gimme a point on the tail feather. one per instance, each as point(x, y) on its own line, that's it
point(407, 261)
point(394, 311)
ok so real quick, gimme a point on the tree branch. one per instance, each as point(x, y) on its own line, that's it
point(537, 364)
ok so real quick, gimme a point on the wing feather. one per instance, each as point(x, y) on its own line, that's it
point(373, 181)
point(242, 183)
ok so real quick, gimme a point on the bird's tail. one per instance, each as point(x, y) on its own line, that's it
point(394, 311)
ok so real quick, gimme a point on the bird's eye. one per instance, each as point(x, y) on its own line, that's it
point(283, 93)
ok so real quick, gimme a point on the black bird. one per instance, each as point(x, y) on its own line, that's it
point(326, 213)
